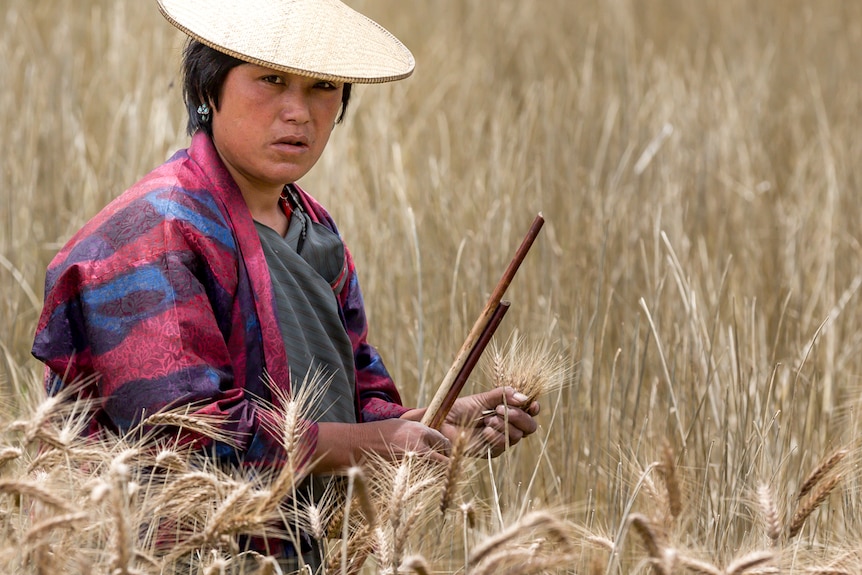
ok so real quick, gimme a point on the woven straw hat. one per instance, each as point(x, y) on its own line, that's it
point(320, 38)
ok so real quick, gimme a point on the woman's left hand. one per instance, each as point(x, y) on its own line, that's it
point(496, 419)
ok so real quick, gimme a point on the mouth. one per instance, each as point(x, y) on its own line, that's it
point(293, 142)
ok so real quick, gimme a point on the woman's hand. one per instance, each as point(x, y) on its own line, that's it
point(495, 419)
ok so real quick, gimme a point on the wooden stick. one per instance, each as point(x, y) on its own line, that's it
point(472, 359)
point(448, 382)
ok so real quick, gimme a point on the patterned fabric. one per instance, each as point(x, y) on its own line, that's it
point(164, 298)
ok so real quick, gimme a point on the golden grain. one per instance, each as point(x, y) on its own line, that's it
point(810, 504)
point(749, 562)
point(769, 511)
point(820, 472)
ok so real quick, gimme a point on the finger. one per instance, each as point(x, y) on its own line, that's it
point(502, 430)
point(494, 397)
point(497, 442)
point(437, 442)
point(434, 455)
point(518, 399)
point(518, 419)
point(424, 451)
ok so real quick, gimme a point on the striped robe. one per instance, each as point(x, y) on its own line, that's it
point(164, 299)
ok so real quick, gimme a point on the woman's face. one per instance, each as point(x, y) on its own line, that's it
point(271, 126)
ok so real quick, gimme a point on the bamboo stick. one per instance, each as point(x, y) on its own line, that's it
point(448, 385)
point(472, 359)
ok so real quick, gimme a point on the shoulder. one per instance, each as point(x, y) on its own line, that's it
point(169, 209)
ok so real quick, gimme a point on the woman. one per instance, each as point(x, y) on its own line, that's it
point(216, 277)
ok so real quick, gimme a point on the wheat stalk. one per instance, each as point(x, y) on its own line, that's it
point(217, 564)
point(120, 489)
point(320, 513)
point(195, 482)
point(50, 458)
point(231, 513)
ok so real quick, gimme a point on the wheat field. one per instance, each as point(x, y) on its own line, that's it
point(695, 288)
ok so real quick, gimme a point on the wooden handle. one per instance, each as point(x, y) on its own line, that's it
point(448, 385)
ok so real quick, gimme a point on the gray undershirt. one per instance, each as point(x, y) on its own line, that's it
point(308, 315)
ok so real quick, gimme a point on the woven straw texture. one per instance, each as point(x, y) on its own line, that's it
point(320, 38)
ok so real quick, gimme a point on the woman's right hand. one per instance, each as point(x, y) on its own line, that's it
point(340, 445)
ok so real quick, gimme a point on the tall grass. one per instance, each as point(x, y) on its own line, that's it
point(697, 164)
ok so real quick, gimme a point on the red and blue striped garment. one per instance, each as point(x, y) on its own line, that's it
point(165, 299)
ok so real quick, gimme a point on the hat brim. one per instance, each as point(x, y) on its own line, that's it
point(323, 39)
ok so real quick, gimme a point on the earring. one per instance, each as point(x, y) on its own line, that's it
point(204, 112)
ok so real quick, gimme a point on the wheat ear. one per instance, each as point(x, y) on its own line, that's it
point(808, 506)
point(454, 467)
point(30, 489)
point(603, 542)
point(668, 471)
point(360, 489)
point(205, 425)
point(539, 565)
point(415, 563)
point(645, 529)
point(820, 472)
point(750, 561)
point(67, 520)
point(535, 520)
point(8, 454)
point(769, 511)
point(698, 566)
point(532, 369)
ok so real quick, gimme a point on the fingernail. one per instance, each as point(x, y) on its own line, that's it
point(520, 397)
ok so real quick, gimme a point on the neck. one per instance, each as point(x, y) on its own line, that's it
point(262, 201)
point(266, 209)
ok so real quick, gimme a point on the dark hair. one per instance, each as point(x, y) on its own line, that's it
point(204, 73)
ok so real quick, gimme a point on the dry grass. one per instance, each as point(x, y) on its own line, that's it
point(698, 166)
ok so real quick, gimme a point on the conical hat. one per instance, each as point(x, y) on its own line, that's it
point(319, 38)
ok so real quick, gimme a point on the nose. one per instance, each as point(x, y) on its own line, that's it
point(295, 104)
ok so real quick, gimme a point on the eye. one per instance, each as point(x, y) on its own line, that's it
point(325, 85)
point(273, 79)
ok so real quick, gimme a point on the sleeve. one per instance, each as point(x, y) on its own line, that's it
point(148, 318)
point(377, 395)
